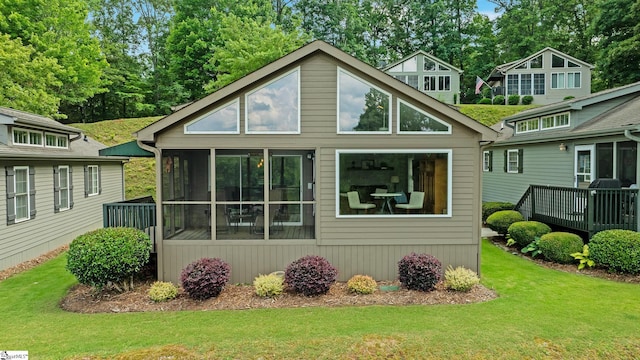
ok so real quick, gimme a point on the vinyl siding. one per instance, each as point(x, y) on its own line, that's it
point(26, 240)
point(369, 245)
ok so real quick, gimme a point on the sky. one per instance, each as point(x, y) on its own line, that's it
point(487, 8)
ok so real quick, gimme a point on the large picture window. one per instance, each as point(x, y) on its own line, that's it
point(275, 107)
point(362, 107)
point(413, 120)
point(375, 183)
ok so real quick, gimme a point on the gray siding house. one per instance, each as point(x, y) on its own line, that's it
point(428, 74)
point(314, 154)
point(53, 183)
point(566, 144)
point(548, 75)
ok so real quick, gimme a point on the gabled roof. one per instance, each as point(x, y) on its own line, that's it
point(502, 69)
point(147, 134)
point(11, 116)
point(576, 103)
point(425, 54)
point(614, 121)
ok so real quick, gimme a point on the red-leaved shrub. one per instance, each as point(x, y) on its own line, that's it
point(205, 278)
point(310, 275)
point(419, 271)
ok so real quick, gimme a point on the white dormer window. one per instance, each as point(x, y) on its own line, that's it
point(27, 137)
point(56, 141)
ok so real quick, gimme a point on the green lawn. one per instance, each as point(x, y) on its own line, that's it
point(540, 313)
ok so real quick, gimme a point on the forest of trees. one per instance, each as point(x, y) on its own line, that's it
point(91, 60)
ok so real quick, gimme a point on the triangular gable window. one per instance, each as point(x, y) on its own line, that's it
point(224, 119)
point(275, 107)
point(557, 61)
point(572, 64)
point(536, 62)
point(362, 107)
point(414, 120)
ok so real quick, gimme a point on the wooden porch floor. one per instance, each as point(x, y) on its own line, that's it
point(246, 233)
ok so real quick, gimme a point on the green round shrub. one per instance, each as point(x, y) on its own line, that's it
point(484, 101)
point(513, 99)
point(618, 250)
point(362, 284)
point(500, 221)
point(460, 279)
point(490, 207)
point(270, 285)
point(419, 271)
point(558, 246)
point(108, 255)
point(162, 291)
point(527, 100)
point(498, 100)
point(524, 232)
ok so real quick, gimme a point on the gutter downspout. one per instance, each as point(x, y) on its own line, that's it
point(158, 230)
point(628, 135)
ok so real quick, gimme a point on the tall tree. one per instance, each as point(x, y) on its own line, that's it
point(28, 80)
point(618, 28)
point(249, 43)
point(58, 29)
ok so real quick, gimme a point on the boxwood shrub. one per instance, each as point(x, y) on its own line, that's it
point(498, 100)
point(419, 271)
point(205, 278)
point(310, 275)
point(618, 250)
point(108, 256)
point(524, 232)
point(490, 207)
point(558, 246)
point(484, 101)
point(527, 100)
point(500, 221)
point(513, 99)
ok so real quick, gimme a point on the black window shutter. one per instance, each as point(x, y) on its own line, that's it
point(86, 181)
point(505, 160)
point(56, 189)
point(520, 167)
point(99, 179)
point(11, 194)
point(32, 191)
point(70, 187)
point(491, 160)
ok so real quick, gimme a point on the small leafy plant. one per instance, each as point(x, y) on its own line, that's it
point(270, 285)
point(419, 271)
point(533, 248)
point(460, 279)
point(583, 258)
point(310, 275)
point(362, 284)
point(205, 278)
point(162, 291)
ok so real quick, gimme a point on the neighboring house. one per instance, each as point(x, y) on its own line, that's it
point(568, 144)
point(548, 75)
point(428, 74)
point(260, 172)
point(53, 182)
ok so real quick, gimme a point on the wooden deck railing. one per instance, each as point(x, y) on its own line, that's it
point(137, 213)
point(586, 210)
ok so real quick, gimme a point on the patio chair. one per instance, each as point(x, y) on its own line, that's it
point(355, 204)
point(416, 202)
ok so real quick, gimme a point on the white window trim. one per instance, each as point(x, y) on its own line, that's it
point(235, 101)
point(449, 153)
point(262, 86)
point(29, 132)
point(450, 87)
point(569, 73)
point(388, 131)
point(57, 136)
point(509, 154)
point(485, 164)
point(91, 176)
point(60, 208)
point(564, 80)
point(555, 121)
point(526, 131)
point(400, 101)
point(28, 194)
